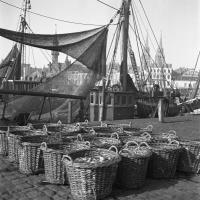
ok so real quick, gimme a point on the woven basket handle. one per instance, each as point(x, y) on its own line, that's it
point(88, 143)
point(149, 128)
point(125, 150)
point(92, 131)
point(165, 134)
point(103, 124)
point(44, 128)
point(144, 144)
point(113, 148)
point(59, 122)
point(43, 146)
point(29, 125)
point(86, 122)
point(120, 130)
point(66, 157)
point(79, 138)
point(115, 135)
point(129, 143)
point(174, 142)
point(172, 133)
point(146, 135)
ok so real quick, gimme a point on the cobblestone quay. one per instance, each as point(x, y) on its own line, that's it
point(16, 186)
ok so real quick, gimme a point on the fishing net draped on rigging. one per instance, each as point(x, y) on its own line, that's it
point(84, 46)
point(87, 47)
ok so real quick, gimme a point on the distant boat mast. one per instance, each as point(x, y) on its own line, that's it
point(20, 70)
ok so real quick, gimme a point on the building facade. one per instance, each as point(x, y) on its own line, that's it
point(157, 72)
point(185, 79)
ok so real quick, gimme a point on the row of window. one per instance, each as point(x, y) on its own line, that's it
point(159, 70)
point(186, 85)
point(123, 100)
point(158, 76)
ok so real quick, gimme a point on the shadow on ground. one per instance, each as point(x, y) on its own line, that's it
point(151, 185)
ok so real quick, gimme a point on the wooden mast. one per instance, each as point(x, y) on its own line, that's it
point(125, 28)
point(20, 70)
point(198, 80)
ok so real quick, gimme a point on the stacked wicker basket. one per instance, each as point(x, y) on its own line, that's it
point(87, 157)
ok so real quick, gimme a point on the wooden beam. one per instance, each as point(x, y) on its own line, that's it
point(161, 110)
point(43, 102)
point(41, 94)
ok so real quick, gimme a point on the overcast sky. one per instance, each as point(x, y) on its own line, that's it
point(177, 20)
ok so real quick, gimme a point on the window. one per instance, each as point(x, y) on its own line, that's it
point(97, 99)
point(100, 99)
point(108, 99)
point(92, 98)
point(123, 100)
point(130, 99)
point(117, 100)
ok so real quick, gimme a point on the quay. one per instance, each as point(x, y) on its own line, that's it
point(17, 186)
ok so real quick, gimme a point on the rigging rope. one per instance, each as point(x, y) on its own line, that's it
point(152, 60)
point(107, 5)
point(39, 48)
point(143, 48)
point(136, 34)
point(155, 39)
point(118, 29)
point(48, 17)
point(142, 22)
point(193, 75)
point(159, 49)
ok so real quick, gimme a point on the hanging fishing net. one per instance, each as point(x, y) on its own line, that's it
point(88, 48)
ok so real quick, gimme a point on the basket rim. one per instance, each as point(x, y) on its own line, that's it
point(115, 159)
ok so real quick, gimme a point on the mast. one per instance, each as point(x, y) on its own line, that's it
point(125, 27)
point(198, 79)
point(19, 69)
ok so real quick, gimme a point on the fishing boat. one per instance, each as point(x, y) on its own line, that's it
point(86, 47)
point(130, 97)
point(108, 102)
point(192, 105)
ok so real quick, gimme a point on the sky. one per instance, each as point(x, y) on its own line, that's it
point(178, 21)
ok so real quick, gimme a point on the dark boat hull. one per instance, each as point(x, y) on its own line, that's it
point(148, 108)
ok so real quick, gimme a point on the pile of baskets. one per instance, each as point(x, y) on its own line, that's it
point(91, 159)
point(92, 172)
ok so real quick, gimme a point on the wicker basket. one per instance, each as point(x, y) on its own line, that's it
point(189, 160)
point(165, 137)
point(164, 159)
point(144, 137)
point(30, 154)
point(133, 166)
point(13, 139)
point(12, 129)
point(134, 130)
point(55, 172)
point(106, 142)
point(130, 129)
point(3, 143)
point(54, 127)
point(30, 158)
point(91, 172)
